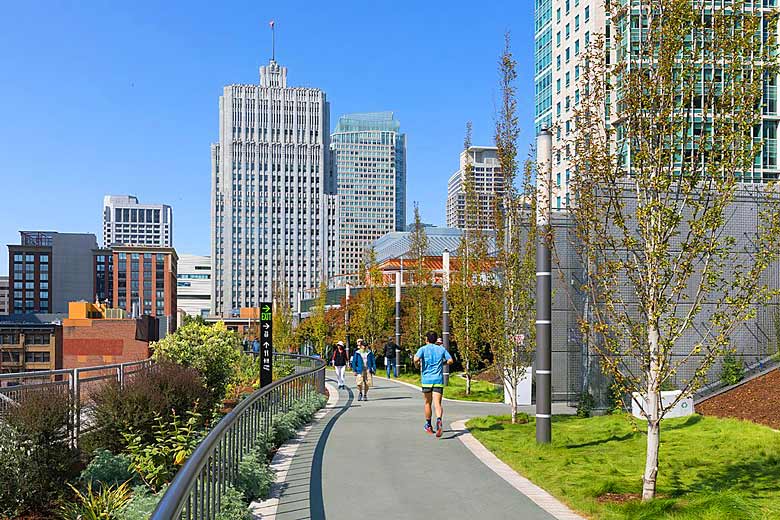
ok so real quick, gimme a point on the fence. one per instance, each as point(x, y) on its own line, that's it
point(196, 491)
point(75, 383)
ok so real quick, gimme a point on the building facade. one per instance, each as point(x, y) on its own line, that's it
point(4, 295)
point(369, 157)
point(143, 281)
point(543, 63)
point(193, 281)
point(30, 343)
point(488, 185)
point(130, 223)
point(272, 191)
point(49, 269)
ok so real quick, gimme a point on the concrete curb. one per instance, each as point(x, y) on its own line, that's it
point(445, 399)
point(283, 458)
point(539, 496)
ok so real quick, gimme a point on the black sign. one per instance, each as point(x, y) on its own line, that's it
point(266, 345)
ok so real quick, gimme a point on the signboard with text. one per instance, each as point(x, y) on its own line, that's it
point(266, 345)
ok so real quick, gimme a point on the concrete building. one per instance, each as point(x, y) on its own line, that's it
point(49, 269)
point(488, 184)
point(193, 281)
point(4, 299)
point(30, 342)
point(130, 223)
point(143, 282)
point(273, 200)
point(369, 157)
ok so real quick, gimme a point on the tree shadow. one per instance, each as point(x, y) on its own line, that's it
point(612, 438)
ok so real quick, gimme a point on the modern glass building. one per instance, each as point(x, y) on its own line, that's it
point(543, 63)
point(369, 157)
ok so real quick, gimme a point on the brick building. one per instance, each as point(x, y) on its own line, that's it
point(30, 342)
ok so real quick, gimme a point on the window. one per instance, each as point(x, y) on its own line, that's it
point(44, 259)
point(29, 258)
point(558, 39)
point(567, 55)
point(576, 47)
point(587, 37)
point(558, 62)
point(558, 85)
point(558, 15)
point(587, 13)
point(37, 357)
point(576, 22)
point(558, 109)
point(568, 31)
point(18, 258)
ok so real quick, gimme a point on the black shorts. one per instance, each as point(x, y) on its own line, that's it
point(427, 389)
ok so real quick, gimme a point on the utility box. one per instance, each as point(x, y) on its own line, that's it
point(523, 390)
point(682, 409)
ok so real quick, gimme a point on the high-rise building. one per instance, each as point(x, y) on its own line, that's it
point(369, 157)
point(130, 223)
point(272, 193)
point(488, 186)
point(49, 269)
point(543, 79)
point(4, 306)
point(574, 26)
point(193, 281)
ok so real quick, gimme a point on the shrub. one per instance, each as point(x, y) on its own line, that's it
point(108, 469)
point(211, 350)
point(158, 461)
point(732, 371)
point(233, 507)
point(35, 455)
point(104, 504)
point(163, 390)
point(255, 476)
point(141, 504)
point(585, 404)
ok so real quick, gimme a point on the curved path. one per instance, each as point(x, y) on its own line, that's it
point(373, 460)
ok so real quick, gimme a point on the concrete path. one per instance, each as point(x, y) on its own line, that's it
point(373, 460)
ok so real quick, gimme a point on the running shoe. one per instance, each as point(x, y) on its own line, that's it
point(439, 429)
point(428, 428)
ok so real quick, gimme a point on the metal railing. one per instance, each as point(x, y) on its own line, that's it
point(76, 383)
point(197, 489)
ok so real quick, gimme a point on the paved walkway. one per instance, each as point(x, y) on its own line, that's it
point(373, 460)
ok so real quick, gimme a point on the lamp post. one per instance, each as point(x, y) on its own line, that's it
point(445, 322)
point(346, 321)
point(397, 319)
point(543, 289)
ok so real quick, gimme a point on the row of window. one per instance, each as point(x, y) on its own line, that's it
point(19, 258)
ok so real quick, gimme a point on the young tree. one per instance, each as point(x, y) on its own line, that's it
point(669, 278)
point(422, 309)
point(372, 309)
point(319, 325)
point(282, 325)
point(469, 289)
point(513, 317)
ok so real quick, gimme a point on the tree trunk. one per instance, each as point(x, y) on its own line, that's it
point(468, 378)
point(653, 417)
point(513, 405)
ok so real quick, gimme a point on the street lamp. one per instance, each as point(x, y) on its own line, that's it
point(543, 289)
point(397, 320)
point(445, 326)
point(346, 320)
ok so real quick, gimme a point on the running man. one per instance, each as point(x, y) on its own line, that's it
point(431, 358)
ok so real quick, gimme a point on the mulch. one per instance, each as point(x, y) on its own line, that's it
point(491, 375)
point(618, 498)
point(757, 401)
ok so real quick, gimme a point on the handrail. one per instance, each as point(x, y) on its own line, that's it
point(61, 371)
point(198, 485)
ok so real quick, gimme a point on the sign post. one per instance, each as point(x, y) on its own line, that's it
point(266, 344)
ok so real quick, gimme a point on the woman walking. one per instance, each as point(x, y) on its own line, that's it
point(339, 362)
point(364, 366)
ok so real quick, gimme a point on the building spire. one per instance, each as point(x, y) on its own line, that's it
point(273, 41)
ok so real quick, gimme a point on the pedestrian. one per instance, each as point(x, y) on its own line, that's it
point(390, 349)
point(256, 347)
point(431, 358)
point(364, 366)
point(339, 362)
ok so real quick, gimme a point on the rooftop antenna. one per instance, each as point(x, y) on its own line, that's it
point(273, 41)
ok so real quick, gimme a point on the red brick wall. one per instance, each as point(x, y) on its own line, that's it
point(103, 343)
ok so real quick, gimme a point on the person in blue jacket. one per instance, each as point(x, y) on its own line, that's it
point(364, 366)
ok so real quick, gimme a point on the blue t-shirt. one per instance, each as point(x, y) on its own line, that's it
point(432, 361)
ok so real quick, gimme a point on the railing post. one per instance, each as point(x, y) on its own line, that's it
point(76, 407)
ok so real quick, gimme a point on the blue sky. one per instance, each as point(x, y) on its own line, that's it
point(122, 97)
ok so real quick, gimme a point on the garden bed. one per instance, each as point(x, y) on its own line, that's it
point(709, 467)
point(757, 400)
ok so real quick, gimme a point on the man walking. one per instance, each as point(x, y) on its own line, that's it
point(390, 349)
point(431, 358)
point(364, 366)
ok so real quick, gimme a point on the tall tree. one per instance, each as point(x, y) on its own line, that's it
point(319, 325)
point(514, 338)
point(669, 278)
point(372, 309)
point(471, 280)
point(423, 307)
point(282, 318)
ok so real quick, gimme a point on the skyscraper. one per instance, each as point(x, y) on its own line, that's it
point(129, 223)
point(272, 192)
point(488, 185)
point(369, 157)
point(543, 63)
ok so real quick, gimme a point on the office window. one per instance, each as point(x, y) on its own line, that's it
point(44, 259)
point(587, 13)
point(587, 37)
point(568, 31)
point(558, 15)
point(576, 22)
point(558, 39)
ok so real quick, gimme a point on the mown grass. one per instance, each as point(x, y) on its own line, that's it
point(710, 468)
point(480, 390)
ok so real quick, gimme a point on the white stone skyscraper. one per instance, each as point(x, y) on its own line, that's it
point(272, 192)
point(488, 186)
point(369, 158)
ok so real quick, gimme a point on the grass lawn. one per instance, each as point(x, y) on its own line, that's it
point(710, 468)
point(480, 390)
